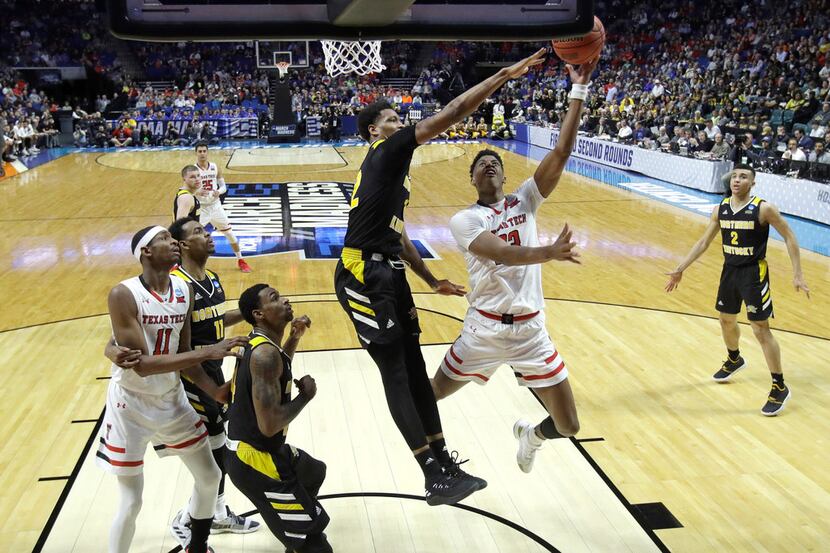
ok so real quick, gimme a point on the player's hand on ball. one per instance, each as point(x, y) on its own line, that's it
point(447, 288)
point(223, 349)
point(674, 280)
point(300, 325)
point(582, 74)
point(306, 387)
point(562, 249)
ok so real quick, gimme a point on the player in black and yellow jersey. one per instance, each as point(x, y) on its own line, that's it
point(186, 204)
point(743, 221)
point(370, 281)
point(280, 480)
point(209, 319)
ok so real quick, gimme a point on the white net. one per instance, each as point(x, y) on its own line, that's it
point(345, 56)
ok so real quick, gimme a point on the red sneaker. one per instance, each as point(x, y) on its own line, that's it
point(243, 266)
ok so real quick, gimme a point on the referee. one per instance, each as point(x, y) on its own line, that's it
point(371, 286)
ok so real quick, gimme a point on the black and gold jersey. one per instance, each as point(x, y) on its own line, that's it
point(381, 192)
point(242, 421)
point(207, 323)
point(194, 212)
point(744, 236)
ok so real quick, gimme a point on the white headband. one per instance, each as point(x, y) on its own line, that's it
point(146, 239)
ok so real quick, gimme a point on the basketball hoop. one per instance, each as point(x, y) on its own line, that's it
point(282, 67)
point(345, 56)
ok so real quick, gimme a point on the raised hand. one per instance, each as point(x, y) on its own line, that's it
point(300, 325)
point(562, 249)
point(447, 288)
point(582, 74)
point(306, 387)
point(520, 68)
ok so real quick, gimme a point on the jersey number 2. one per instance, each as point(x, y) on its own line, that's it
point(163, 341)
point(512, 238)
point(734, 236)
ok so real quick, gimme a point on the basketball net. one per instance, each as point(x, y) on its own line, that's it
point(346, 56)
point(282, 67)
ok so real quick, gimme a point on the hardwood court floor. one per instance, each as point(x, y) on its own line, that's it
point(640, 363)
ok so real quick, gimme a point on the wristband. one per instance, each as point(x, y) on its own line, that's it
point(578, 92)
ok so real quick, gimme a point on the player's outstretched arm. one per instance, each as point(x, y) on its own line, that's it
point(127, 333)
point(468, 102)
point(697, 250)
point(266, 370)
point(548, 173)
point(416, 263)
point(771, 215)
point(489, 246)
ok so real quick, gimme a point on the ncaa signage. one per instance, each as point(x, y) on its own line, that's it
point(279, 217)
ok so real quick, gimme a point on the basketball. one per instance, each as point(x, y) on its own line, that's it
point(577, 50)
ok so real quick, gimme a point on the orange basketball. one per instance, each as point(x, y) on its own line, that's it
point(581, 49)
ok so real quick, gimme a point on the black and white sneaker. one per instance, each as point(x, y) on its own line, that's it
point(446, 489)
point(456, 471)
point(728, 368)
point(180, 529)
point(778, 397)
point(233, 523)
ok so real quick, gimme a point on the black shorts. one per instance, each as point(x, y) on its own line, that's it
point(748, 284)
point(283, 486)
point(376, 296)
point(213, 414)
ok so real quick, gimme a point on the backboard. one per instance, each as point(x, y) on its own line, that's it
point(500, 20)
point(270, 52)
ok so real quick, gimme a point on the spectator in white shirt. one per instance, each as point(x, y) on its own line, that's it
point(711, 130)
point(625, 131)
point(817, 129)
point(658, 89)
point(793, 152)
point(25, 134)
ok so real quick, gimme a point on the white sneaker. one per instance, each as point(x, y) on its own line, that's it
point(233, 523)
point(180, 529)
point(25, 152)
point(523, 431)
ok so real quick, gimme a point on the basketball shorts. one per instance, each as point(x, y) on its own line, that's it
point(376, 296)
point(215, 215)
point(132, 420)
point(748, 284)
point(210, 412)
point(283, 486)
point(485, 345)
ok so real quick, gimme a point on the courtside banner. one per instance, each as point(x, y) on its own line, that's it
point(802, 198)
point(690, 172)
point(231, 127)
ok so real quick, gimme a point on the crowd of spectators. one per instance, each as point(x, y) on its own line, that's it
point(719, 80)
point(56, 33)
